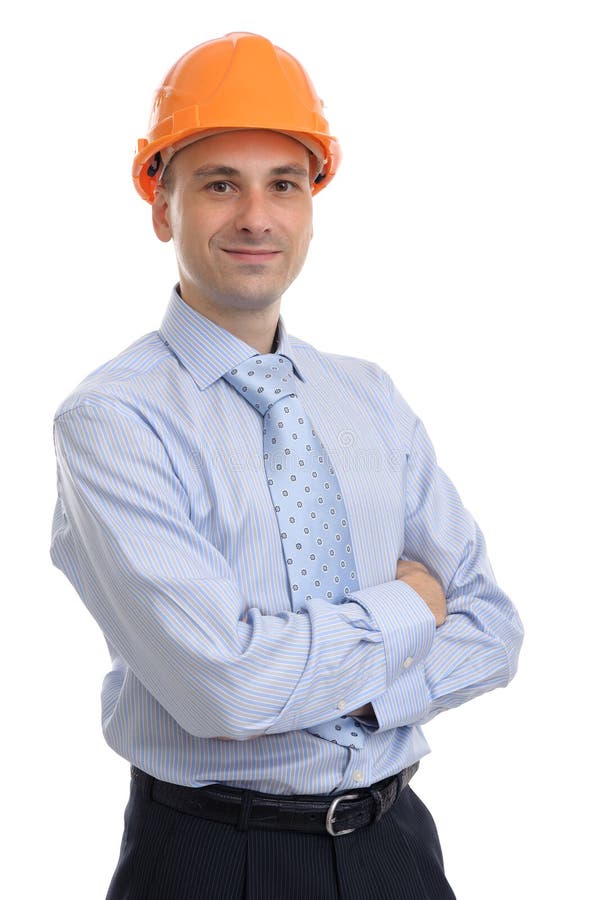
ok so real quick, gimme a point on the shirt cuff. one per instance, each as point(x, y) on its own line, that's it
point(406, 623)
point(406, 702)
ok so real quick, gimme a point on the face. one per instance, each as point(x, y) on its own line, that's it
point(239, 212)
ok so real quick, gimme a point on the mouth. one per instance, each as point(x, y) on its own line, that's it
point(251, 256)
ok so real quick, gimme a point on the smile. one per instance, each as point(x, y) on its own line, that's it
point(253, 256)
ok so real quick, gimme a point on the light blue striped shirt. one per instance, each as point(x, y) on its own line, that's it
point(165, 526)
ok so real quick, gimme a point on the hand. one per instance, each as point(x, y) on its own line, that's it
point(425, 584)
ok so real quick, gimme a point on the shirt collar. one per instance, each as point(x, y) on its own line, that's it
point(206, 349)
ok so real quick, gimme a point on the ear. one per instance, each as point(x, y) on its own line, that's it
point(160, 216)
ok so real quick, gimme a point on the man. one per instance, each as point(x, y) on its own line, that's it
point(288, 584)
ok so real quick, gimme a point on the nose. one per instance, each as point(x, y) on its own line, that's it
point(252, 215)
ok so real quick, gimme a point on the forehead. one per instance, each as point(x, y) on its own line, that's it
point(247, 148)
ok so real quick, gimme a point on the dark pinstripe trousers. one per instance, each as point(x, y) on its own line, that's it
point(169, 855)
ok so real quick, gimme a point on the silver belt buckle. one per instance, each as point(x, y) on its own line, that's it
point(330, 814)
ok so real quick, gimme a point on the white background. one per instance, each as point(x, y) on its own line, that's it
point(457, 248)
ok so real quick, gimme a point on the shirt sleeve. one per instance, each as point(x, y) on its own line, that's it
point(477, 647)
point(167, 600)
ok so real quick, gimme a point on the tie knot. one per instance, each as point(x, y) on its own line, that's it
point(263, 379)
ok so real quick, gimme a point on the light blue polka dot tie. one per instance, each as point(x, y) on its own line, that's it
point(307, 500)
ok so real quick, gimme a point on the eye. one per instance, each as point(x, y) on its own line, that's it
point(219, 187)
point(284, 187)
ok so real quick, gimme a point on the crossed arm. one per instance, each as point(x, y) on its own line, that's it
point(168, 602)
point(429, 589)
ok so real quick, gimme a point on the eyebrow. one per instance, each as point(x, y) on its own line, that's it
point(209, 171)
point(290, 169)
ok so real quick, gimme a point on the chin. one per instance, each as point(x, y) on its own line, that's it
point(259, 297)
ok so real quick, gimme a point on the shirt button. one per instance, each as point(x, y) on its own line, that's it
point(407, 662)
point(358, 775)
point(341, 704)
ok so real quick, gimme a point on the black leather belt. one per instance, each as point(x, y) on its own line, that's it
point(336, 814)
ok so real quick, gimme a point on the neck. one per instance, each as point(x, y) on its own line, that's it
point(256, 327)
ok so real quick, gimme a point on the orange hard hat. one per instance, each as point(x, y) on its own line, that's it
point(235, 82)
